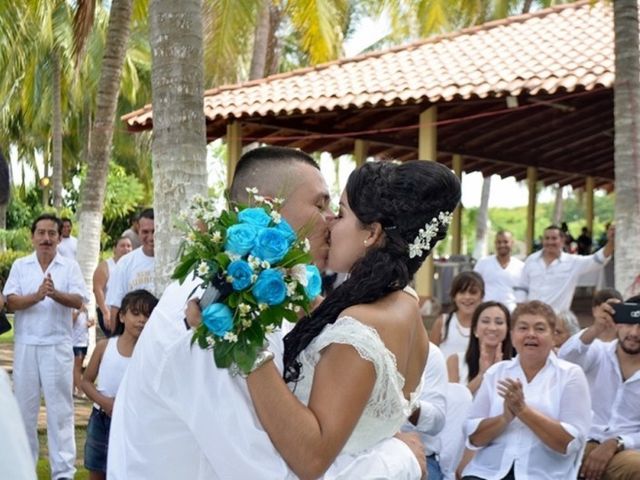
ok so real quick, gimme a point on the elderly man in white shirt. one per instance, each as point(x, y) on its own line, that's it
point(428, 420)
point(164, 421)
point(551, 275)
point(42, 289)
point(501, 272)
point(613, 371)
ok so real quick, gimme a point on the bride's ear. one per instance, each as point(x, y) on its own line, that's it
point(375, 234)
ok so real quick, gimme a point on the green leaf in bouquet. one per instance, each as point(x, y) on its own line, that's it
point(233, 300)
point(244, 356)
point(247, 297)
point(223, 354)
point(290, 315)
point(227, 218)
point(294, 257)
point(273, 316)
point(223, 259)
point(255, 334)
point(187, 263)
point(200, 335)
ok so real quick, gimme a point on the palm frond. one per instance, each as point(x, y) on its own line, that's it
point(83, 20)
point(320, 24)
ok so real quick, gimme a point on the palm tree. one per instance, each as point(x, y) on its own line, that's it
point(93, 189)
point(627, 144)
point(179, 140)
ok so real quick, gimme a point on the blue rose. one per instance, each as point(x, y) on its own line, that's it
point(254, 216)
point(286, 230)
point(314, 282)
point(218, 318)
point(270, 287)
point(241, 272)
point(241, 238)
point(271, 245)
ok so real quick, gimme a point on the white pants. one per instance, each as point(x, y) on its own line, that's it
point(49, 367)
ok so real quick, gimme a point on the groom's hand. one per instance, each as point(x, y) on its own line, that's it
point(413, 441)
point(193, 313)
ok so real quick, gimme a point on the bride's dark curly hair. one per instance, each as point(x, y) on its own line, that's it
point(402, 198)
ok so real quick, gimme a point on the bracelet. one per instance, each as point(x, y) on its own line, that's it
point(263, 357)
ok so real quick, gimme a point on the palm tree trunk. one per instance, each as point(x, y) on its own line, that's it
point(627, 143)
point(56, 163)
point(261, 41)
point(482, 220)
point(93, 189)
point(179, 141)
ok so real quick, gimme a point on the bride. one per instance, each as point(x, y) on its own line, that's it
point(355, 364)
point(351, 368)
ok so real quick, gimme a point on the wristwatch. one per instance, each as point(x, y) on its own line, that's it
point(619, 444)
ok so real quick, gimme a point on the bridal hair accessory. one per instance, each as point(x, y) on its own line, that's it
point(255, 272)
point(423, 241)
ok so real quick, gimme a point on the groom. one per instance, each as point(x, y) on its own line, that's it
point(165, 425)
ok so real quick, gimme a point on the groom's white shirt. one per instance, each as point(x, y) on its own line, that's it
point(167, 424)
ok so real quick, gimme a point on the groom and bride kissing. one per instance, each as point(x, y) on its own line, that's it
point(329, 396)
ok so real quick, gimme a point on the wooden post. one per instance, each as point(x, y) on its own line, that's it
point(532, 178)
point(427, 150)
point(588, 190)
point(234, 149)
point(456, 225)
point(360, 150)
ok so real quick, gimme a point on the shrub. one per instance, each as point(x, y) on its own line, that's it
point(6, 260)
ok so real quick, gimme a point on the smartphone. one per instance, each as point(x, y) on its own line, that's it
point(626, 312)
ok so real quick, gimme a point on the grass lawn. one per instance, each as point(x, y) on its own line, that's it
point(44, 472)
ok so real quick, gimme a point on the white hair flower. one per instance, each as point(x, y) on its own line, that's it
point(422, 242)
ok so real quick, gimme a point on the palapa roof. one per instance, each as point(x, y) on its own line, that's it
point(558, 62)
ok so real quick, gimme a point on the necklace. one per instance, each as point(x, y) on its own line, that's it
point(459, 328)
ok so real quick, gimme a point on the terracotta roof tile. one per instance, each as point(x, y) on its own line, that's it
point(561, 48)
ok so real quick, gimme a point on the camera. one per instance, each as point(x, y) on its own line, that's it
point(626, 313)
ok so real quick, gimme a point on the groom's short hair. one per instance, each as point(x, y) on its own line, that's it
point(269, 169)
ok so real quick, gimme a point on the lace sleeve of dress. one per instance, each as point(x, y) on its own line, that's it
point(365, 339)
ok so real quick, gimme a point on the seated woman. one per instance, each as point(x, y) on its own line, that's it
point(566, 326)
point(451, 331)
point(531, 414)
point(489, 343)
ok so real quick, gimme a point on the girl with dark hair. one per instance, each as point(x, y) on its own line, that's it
point(489, 343)
point(356, 362)
point(108, 364)
point(451, 331)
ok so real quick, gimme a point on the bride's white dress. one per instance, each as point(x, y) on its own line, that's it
point(387, 408)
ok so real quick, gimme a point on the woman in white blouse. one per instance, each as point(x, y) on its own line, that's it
point(532, 413)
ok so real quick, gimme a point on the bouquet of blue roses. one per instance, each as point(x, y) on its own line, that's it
point(258, 268)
